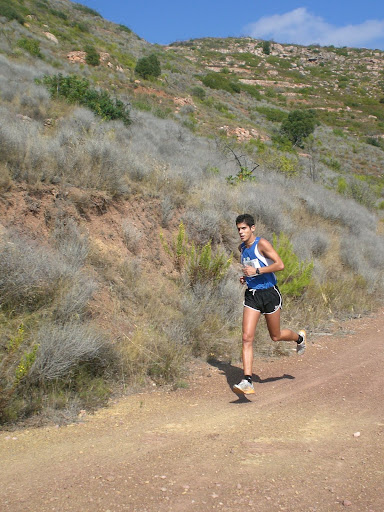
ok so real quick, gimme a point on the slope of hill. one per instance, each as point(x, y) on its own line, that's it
point(87, 308)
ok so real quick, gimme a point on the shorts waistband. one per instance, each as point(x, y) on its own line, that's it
point(254, 290)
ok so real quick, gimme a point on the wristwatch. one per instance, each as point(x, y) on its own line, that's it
point(258, 271)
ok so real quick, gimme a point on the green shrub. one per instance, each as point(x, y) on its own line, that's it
point(252, 90)
point(373, 142)
point(58, 14)
point(338, 132)
point(272, 114)
point(298, 125)
point(32, 46)
point(77, 90)
point(81, 27)
point(198, 92)
point(178, 248)
point(10, 11)
point(244, 174)
point(124, 28)
point(87, 10)
point(204, 267)
point(296, 276)
point(199, 264)
point(341, 185)
point(92, 56)
point(147, 67)
point(220, 82)
point(266, 47)
point(332, 163)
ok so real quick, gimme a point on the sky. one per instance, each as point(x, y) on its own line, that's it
point(327, 22)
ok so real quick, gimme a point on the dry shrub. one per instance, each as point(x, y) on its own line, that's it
point(148, 353)
point(212, 317)
point(70, 242)
point(167, 208)
point(203, 225)
point(73, 298)
point(5, 179)
point(63, 347)
point(310, 243)
point(29, 273)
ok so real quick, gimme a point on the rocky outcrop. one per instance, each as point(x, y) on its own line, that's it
point(242, 134)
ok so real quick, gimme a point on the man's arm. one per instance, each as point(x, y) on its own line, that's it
point(267, 250)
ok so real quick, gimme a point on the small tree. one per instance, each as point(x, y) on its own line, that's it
point(92, 56)
point(148, 67)
point(266, 47)
point(298, 125)
point(297, 275)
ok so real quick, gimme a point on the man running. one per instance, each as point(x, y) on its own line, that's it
point(260, 261)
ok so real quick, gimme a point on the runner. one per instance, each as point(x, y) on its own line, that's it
point(260, 261)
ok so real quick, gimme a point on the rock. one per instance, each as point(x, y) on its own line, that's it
point(23, 118)
point(356, 434)
point(182, 102)
point(51, 37)
point(77, 57)
point(347, 503)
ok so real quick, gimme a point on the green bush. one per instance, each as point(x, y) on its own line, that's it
point(58, 14)
point(92, 56)
point(198, 92)
point(373, 142)
point(272, 114)
point(81, 27)
point(10, 11)
point(244, 174)
point(32, 46)
point(147, 67)
point(252, 90)
point(77, 90)
point(298, 125)
point(266, 47)
point(220, 82)
point(124, 28)
point(296, 276)
point(199, 264)
point(87, 10)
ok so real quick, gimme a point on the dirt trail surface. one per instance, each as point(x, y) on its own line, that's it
point(310, 439)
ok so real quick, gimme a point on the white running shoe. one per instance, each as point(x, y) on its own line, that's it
point(300, 349)
point(244, 388)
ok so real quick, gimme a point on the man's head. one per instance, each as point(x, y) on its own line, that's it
point(246, 219)
point(246, 226)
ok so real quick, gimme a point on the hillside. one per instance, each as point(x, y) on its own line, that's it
point(118, 196)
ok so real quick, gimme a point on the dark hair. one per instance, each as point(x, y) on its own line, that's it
point(246, 218)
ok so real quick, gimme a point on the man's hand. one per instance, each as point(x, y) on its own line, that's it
point(249, 271)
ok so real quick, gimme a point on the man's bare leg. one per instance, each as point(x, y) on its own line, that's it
point(277, 334)
point(250, 319)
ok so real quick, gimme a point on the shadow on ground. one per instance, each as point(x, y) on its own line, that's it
point(234, 375)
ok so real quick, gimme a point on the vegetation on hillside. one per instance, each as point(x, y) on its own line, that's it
point(121, 263)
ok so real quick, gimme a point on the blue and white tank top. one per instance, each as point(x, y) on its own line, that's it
point(251, 257)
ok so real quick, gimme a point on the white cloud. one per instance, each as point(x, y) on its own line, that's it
point(301, 27)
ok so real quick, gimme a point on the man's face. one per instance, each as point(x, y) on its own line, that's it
point(245, 232)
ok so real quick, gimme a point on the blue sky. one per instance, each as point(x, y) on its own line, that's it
point(338, 22)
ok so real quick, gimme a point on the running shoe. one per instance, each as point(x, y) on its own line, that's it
point(244, 388)
point(300, 349)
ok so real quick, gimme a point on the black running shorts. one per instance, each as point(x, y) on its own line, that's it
point(265, 301)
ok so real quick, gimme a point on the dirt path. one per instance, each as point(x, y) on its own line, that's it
point(290, 447)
